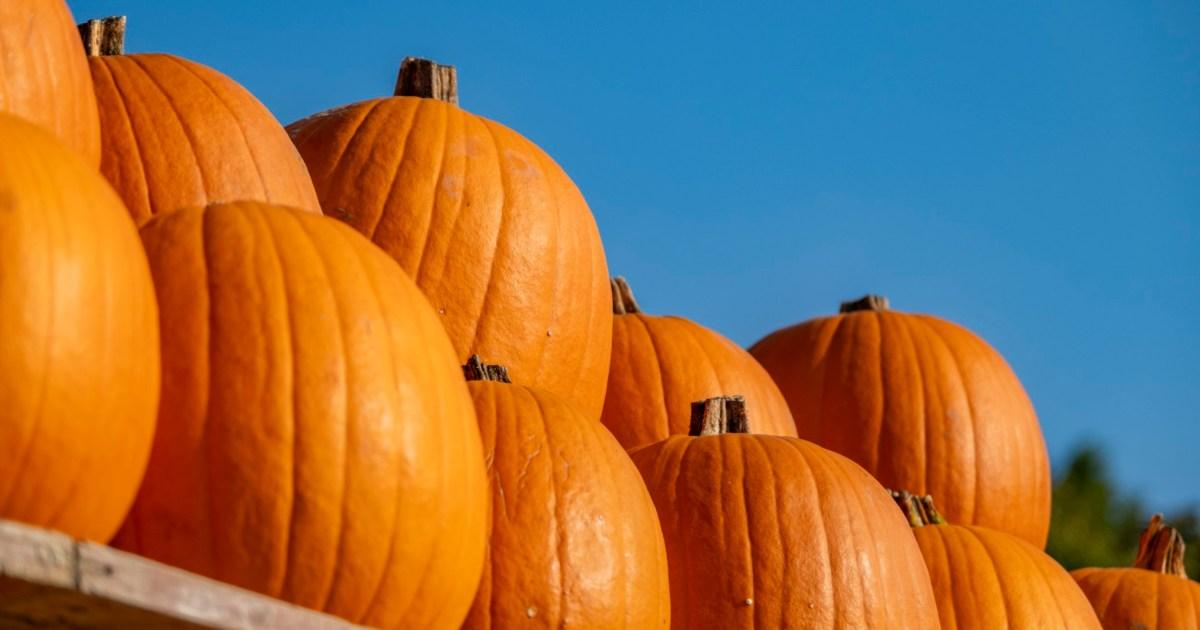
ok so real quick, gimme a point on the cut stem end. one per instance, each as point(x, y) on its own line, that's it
point(719, 415)
point(865, 303)
point(103, 37)
point(476, 370)
point(427, 79)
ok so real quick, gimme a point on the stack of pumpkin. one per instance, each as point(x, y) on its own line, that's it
point(275, 398)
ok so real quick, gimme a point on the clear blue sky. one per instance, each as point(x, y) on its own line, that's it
point(1031, 171)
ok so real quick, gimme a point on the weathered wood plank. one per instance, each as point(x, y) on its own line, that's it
point(50, 580)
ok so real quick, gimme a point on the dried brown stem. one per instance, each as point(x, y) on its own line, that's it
point(103, 37)
point(719, 415)
point(476, 370)
point(427, 79)
point(865, 303)
point(1161, 548)
point(918, 510)
point(622, 297)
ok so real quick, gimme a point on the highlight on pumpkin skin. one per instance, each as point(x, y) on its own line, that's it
point(661, 364)
point(1153, 593)
point(923, 404)
point(984, 578)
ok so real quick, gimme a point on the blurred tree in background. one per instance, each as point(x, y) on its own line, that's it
point(1095, 524)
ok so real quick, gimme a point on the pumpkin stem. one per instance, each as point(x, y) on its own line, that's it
point(103, 37)
point(918, 510)
point(865, 303)
point(476, 370)
point(719, 415)
point(427, 79)
point(1161, 549)
point(622, 295)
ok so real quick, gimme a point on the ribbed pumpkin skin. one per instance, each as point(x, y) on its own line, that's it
point(178, 134)
point(922, 404)
point(316, 441)
point(575, 539)
point(802, 531)
point(984, 578)
point(79, 375)
point(490, 227)
point(1131, 599)
point(660, 365)
point(44, 76)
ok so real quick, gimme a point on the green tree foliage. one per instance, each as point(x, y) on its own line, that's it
point(1095, 524)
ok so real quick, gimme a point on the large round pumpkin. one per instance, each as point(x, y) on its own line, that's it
point(316, 441)
point(922, 404)
point(575, 540)
point(983, 578)
point(490, 227)
point(178, 134)
point(765, 532)
point(661, 364)
point(1154, 593)
point(44, 76)
point(79, 358)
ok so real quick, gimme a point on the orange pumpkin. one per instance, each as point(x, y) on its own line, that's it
point(316, 441)
point(765, 531)
point(983, 578)
point(79, 359)
point(575, 539)
point(661, 364)
point(44, 76)
point(922, 404)
point(1154, 593)
point(490, 227)
point(178, 134)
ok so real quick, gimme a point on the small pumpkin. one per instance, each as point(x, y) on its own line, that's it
point(765, 531)
point(178, 134)
point(44, 76)
point(922, 404)
point(983, 578)
point(575, 541)
point(80, 354)
point(316, 441)
point(1154, 593)
point(661, 364)
point(490, 227)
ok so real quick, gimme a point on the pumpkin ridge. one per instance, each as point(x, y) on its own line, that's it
point(139, 166)
point(854, 504)
point(556, 283)
point(401, 154)
point(353, 139)
point(927, 431)
point(943, 343)
point(323, 265)
point(367, 609)
point(237, 122)
point(662, 375)
point(826, 557)
point(185, 131)
point(560, 540)
point(452, 116)
point(452, 233)
point(840, 327)
point(31, 167)
point(500, 232)
point(362, 110)
point(776, 484)
point(877, 433)
point(600, 435)
point(992, 559)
